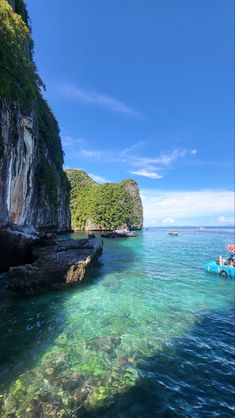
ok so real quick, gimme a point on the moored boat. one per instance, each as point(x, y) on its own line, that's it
point(173, 233)
point(223, 267)
point(223, 270)
point(124, 233)
point(119, 233)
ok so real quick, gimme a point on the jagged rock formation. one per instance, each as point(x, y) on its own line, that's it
point(59, 265)
point(104, 206)
point(33, 187)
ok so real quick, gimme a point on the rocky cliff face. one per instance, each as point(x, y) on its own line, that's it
point(33, 190)
point(104, 206)
point(33, 187)
point(132, 189)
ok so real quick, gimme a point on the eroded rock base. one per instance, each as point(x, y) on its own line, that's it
point(59, 265)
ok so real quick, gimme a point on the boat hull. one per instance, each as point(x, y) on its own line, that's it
point(117, 234)
point(223, 270)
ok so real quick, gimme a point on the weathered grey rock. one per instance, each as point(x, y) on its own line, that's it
point(62, 264)
point(17, 243)
point(15, 248)
point(133, 189)
point(22, 199)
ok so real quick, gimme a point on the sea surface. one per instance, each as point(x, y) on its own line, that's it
point(148, 334)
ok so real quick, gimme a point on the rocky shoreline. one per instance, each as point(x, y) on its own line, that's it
point(38, 262)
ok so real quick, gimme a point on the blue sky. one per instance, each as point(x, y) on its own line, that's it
point(144, 89)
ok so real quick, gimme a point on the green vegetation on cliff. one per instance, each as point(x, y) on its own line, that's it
point(20, 87)
point(19, 80)
point(104, 206)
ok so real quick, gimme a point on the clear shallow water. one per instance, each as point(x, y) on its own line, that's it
point(149, 334)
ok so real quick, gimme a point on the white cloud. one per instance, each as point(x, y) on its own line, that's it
point(93, 97)
point(90, 154)
point(145, 173)
point(159, 204)
point(69, 141)
point(193, 151)
point(163, 160)
point(226, 219)
point(152, 167)
point(98, 179)
point(168, 221)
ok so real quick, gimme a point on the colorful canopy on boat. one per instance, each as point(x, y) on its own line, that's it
point(231, 247)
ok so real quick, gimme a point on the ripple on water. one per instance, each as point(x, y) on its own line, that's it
point(150, 334)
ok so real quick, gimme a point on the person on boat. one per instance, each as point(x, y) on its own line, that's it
point(230, 261)
point(221, 261)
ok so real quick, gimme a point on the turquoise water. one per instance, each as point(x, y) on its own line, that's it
point(149, 334)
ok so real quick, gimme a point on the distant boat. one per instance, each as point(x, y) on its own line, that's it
point(173, 233)
point(124, 233)
point(119, 233)
point(201, 228)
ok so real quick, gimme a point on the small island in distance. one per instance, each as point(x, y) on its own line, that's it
point(105, 206)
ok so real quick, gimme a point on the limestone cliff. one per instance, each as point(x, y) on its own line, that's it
point(104, 206)
point(33, 187)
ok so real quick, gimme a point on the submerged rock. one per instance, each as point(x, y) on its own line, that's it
point(62, 264)
point(106, 343)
